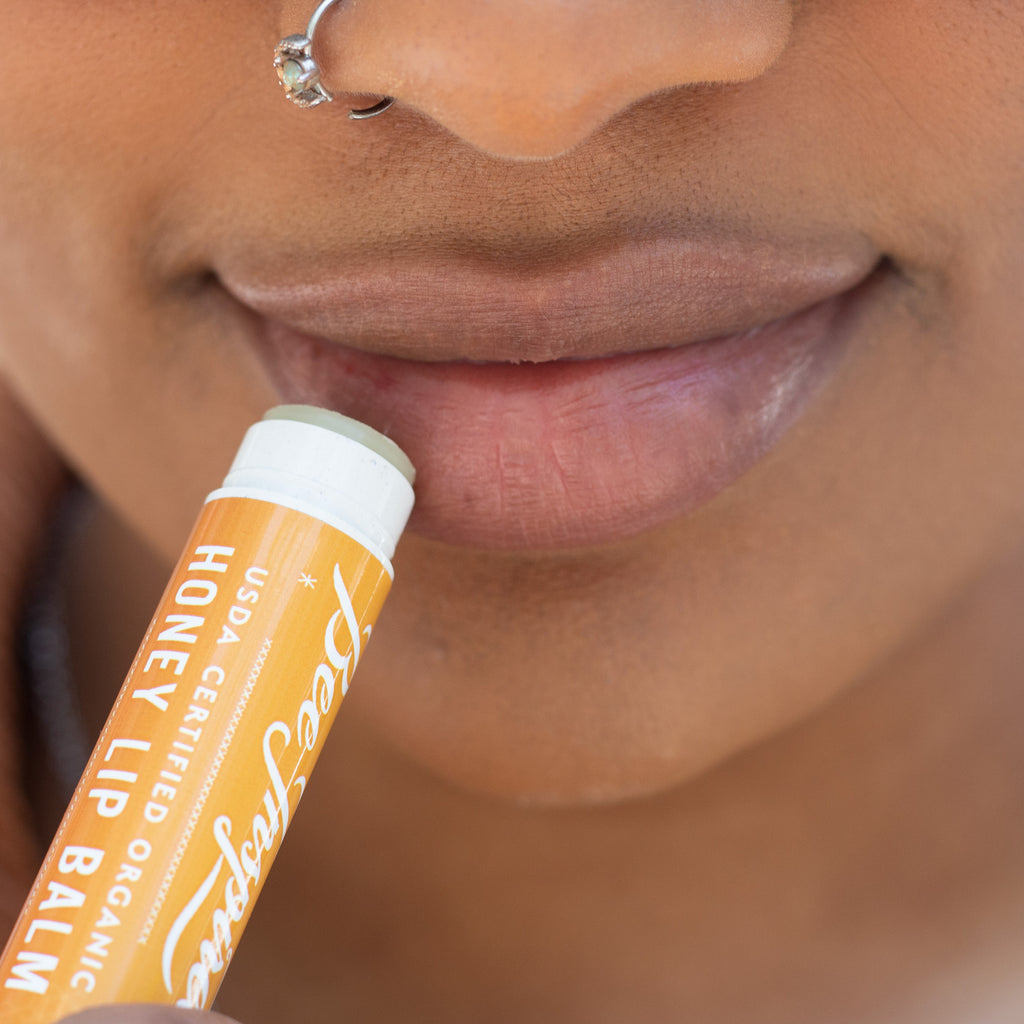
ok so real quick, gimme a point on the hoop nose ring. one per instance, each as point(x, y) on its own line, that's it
point(299, 73)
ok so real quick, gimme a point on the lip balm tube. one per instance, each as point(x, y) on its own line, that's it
point(165, 846)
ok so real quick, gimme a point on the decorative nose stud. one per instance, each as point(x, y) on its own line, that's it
point(299, 72)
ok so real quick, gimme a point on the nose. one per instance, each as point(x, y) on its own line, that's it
point(532, 78)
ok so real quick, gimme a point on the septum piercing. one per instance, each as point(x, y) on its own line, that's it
point(299, 72)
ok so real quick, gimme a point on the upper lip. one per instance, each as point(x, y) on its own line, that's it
point(636, 297)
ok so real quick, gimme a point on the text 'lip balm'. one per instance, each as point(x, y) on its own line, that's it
point(165, 846)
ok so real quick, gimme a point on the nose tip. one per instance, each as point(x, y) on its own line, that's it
point(533, 79)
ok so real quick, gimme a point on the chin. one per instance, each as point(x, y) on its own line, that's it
point(552, 768)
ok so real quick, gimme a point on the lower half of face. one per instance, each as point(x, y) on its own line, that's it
point(711, 412)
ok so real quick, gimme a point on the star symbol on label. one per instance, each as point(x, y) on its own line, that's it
point(307, 581)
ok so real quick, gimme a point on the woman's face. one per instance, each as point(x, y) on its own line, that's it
point(701, 321)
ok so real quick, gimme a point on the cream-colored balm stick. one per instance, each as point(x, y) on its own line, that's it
point(166, 844)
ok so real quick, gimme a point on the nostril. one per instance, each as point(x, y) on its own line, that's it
point(300, 74)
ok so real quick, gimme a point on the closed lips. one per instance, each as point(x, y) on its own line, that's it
point(572, 407)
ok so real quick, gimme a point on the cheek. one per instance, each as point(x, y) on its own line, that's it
point(129, 94)
point(943, 90)
point(143, 403)
point(94, 181)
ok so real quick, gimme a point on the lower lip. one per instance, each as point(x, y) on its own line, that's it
point(573, 453)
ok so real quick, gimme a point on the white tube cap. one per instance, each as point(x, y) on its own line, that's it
point(328, 462)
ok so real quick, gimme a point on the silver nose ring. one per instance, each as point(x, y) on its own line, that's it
point(299, 73)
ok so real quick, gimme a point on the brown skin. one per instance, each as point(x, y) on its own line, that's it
point(788, 782)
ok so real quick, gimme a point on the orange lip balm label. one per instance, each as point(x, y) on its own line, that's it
point(155, 869)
